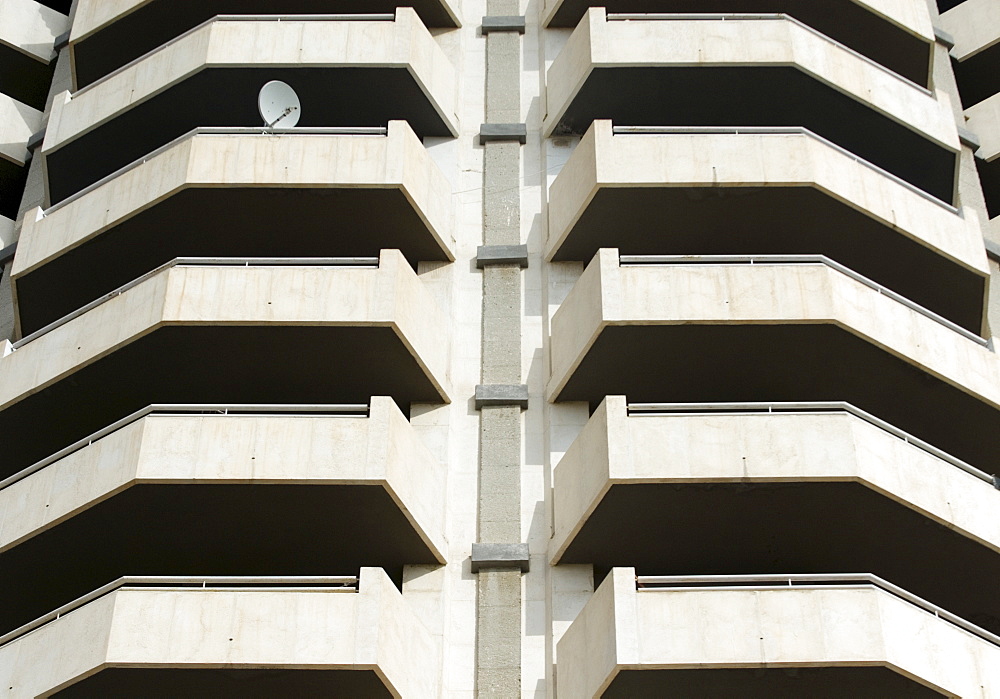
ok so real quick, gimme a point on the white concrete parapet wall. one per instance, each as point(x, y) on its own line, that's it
point(600, 43)
point(611, 294)
point(623, 628)
point(268, 43)
point(390, 296)
point(397, 160)
point(31, 28)
point(371, 629)
point(614, 448)
point(983, 119)
point(974, 25)
point(17, 123)
point(380, 449)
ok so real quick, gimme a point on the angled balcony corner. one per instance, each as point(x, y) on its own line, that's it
point(224, 193)
point(6, 232)
point(27, 33)
point(975, 27)
point(675, 70)
point(769, 636)
point(280, 635)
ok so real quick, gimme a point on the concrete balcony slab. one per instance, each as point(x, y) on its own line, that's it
point(226, 334)
point(894, 33)
point(671, 70)
point(777, 191)
point(247, 194)
point(17, 124)
point(721, 332)
point(108, 34)
point(27, 33)
point(975, 26)
point(360, 71)
point(756, 487)
point(6, 231)
point(786, 641)
point(176, 490)
point(174, 641)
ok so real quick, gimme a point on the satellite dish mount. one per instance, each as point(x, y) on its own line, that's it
point(279, 105)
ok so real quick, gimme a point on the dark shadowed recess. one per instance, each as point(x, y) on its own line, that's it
point(166, 683)
point(801, 362)
point(233, 223)
point(989, 178)
point(24, 77)
point(62, 6)
point(12, 179)
point(774, 221)
point(213, 364)
point(760, 96)
point(978, 76)
point(945, 5)
point(846, 22)
point(746, 528)
point(227, 97)
point(159, 21)
point(208, 529)
point(766, 683)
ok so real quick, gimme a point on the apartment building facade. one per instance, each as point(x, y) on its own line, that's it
point(560, 349)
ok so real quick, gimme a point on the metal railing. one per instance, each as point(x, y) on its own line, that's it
point(777, 260)
point(809, 581)
point(760, 16)
point(804, 408)
point(349, 262)
point(796, 130)
point(270, 583)
point(259, 410)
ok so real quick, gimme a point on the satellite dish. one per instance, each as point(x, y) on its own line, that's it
point(279, 105)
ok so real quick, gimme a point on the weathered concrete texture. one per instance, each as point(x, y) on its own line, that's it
point(501, 194)
point(498, 646)
point(500, 475)
point(6, 303)
point(372, 628)
point(502, 325)
point(503, 77)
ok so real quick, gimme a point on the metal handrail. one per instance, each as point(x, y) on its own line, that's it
point(637, 260)
point(808, 408)
point(274, 583)
point(800, 130)
point(806, 581)
point(261, 409)
point(722, 17)
point(350, 262)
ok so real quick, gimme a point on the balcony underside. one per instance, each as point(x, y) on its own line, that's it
point(978, 76)
point(227, 683)
point(989, 177)
point(847, 22)
point(759, 96)
point(24, 78)
point(237, 222)
point(208, 529)
point(214, 364)
point(154, 23)
point(798, 362)
point(773, 220)
point(227, 97)
point(813, 682)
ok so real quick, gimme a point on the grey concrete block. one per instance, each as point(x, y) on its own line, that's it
point(992, 249)
point(35, 140)
point(7, 254)
point(500, 556)
point(489, 133)
point(503, 23)
point(502, 255)
point(969, 138)
point(502, 395)
point(944, 38)
point(61, 42)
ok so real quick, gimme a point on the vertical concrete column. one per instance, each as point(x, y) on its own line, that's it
point(498, 632)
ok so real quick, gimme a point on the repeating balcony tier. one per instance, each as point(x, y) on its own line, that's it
point(975, 27)
point(6, 232)
point(362, 71)
point(690, 490)
point(181, 489)
point(895, 33)
point(27, 33)
point(764, 641)
point(18, 122)
point(226, 334)
point(768, 70)
point(764, 191)
point(773, 331)
point(108, 34)
point(983, 119)
point(245, 193)
point(166, 638)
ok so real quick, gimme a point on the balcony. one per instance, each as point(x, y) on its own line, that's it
point(224, 332)
point(765, 636)
point(690, 330)
point(215, 193)
point(187, 488)
point(975, 26)
point(983, 119)
point(27, 33)
point(108, 35)
point(222, 637)
point(6, 232)
point(896, 33)
point(348, 71)
point(17, 123)
point(714, 191)
point(756, 486)
point(760, 70)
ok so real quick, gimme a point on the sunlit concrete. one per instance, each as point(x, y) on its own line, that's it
point(371, 629)
point(31, 28)
point(6, 232)
point(983, 119)
point(973, 24)
point(622, 628)
point(17, 123)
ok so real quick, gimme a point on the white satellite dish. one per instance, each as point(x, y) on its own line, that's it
point(279, 105)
